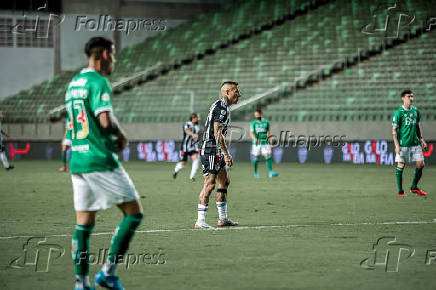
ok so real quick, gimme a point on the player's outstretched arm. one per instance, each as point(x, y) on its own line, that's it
point(110, 123)
point(219, 138)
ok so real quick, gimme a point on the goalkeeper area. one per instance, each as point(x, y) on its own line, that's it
point(337, 226)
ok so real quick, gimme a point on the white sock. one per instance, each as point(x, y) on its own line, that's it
point(82, 281)
point(195, 164)
point(4, 159)
point(179, 166)
point(202, 211)
point(109, 268)
point(222, 210)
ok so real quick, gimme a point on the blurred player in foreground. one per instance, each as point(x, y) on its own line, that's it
point(409, 142)
point(189, 146)
point(99, 180)
point(3, 156)
point(260, 133)
point(215, 156)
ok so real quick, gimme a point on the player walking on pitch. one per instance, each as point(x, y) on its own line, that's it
point(3, 156)
point(260, 133)
point(189, 146)
point(215, 156)
point(99, 181)
point(409, 143)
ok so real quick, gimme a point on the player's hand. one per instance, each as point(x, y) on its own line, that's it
point(195, 136)
point(121, 143)
point(397, 149)
point(424, 145)
point(228, 159)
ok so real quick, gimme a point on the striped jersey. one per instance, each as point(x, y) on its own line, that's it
point(218, 112)
point(188, 143)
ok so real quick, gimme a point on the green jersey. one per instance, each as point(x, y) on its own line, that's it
point(260, 131)
point(407, 123)
point(92, 149)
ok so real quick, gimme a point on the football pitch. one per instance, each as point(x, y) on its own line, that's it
point(310, 228)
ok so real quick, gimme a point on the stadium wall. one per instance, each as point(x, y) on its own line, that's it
point(240, 130)
point(356, 152)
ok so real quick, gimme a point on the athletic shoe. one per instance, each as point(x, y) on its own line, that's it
point(256, 175)
point(192, 179)
point(10, 167)
point(402, 194)
point(227, 223)
point(418, 191)
point(203, 226)
point(110, 282)
point(84, 288)
point(63, 169)
point(175, 175)
point(273, 174)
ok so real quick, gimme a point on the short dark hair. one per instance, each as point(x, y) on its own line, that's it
point(97, 44)
point(258, 110)
point(229, 83)
point(406, 92)
point(193, 115)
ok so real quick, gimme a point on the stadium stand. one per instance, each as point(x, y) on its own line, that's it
point(369, 91)
point(308, 49)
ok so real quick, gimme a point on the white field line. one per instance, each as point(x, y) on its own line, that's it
point(243, 228)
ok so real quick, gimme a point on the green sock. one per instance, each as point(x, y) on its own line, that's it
point(64, 158)
point(268, 163)
point(416, 178)
point(256, 163)
point(80, 249)
point(123, 234)
point(399, 174)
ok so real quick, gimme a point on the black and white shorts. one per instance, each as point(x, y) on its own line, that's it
point(184, 155)
point(212, 163)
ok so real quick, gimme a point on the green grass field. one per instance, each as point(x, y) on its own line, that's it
point(327, 219)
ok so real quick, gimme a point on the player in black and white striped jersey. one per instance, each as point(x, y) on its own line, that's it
point(215, 156)
point(189, 146)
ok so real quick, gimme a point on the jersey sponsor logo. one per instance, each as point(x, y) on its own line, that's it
point(409, 121)
point(78, 83)
point(80, 148)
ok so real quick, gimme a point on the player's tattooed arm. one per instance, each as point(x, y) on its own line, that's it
point(419, 134)
point(111, 125)
point(395, 137)
point(219, 138)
